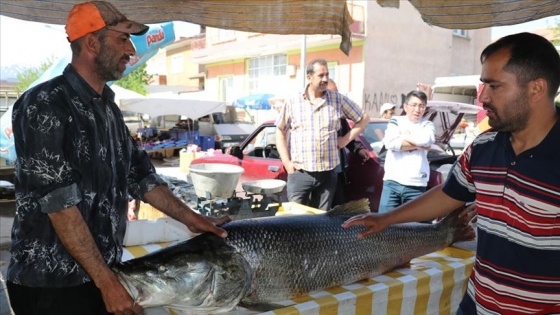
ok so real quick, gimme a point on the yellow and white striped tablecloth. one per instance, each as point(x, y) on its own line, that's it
point(430, 284)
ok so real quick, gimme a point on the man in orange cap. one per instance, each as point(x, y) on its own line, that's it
point(77, 164)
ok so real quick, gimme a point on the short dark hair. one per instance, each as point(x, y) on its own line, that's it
point(421, 95)
point(76, 46)
point(310, 69)
point(531, 57)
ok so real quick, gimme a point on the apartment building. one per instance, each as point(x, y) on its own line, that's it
point(393, 49)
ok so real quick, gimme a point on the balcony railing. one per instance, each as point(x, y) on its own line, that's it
point(199, 43)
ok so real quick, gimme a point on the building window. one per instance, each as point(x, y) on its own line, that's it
point(223, 36)
point(226, 89)
point(332, 71)
point(265, 71)
point(177, 64)
point(460, 33)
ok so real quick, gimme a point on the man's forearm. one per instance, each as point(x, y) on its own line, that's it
point(409, 146)
point(163, 199)
point(420, 139)
point(434, 203)
point(358, 128)
point(282, 147)
point(76, 237)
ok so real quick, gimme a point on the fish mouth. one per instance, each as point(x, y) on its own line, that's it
point(130, 288)
point(134, 289)
point(202, 291)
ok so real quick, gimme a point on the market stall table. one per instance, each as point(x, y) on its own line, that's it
point(430, 284)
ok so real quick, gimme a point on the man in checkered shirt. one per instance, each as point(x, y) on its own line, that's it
point(307, 138)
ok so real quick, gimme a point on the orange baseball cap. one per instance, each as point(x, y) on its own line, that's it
point(88, 17)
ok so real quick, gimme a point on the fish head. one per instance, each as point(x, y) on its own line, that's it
point(204, 279)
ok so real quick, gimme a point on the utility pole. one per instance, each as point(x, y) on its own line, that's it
point(302, 62)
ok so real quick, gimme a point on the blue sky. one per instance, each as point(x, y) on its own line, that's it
point(37, 42)
point(502, 31)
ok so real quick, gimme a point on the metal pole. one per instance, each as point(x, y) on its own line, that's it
point(302, 62)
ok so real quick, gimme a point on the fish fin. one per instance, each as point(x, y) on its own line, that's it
point(351, 208)
point(463, 230)
point(261, 307)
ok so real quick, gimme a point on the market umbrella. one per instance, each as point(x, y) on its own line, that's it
point(256, 101)
point(171, 104)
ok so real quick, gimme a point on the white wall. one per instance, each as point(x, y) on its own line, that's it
point(402, 50)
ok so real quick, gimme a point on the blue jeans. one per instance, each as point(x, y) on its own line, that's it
point(395, 194)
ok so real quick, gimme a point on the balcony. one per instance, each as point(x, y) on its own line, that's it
point(199, 43)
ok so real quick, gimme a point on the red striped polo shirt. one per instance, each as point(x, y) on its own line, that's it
point(517, 269)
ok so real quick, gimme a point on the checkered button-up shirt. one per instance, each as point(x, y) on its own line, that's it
point(313, 126)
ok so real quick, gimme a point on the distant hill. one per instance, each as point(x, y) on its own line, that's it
point(10, 73)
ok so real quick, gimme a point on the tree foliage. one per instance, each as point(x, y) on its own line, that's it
point(30, 74)
point(136, 80)
point(556, 33)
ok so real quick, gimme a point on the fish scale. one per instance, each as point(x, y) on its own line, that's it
point(321, 253)
point(267, 260)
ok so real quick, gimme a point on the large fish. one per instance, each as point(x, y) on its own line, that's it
point(271, 259)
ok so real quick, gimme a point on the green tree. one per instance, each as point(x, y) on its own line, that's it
point(29, 75)
point(136, 80)
point(556, 32)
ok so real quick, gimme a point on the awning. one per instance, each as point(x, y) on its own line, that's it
point(200, 75)
point(259, 16)
point(171, 104)
point(475, 14)
point(294, 16)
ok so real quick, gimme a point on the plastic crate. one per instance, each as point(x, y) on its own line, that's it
point(207, 143)
point(148, 132)
point(189, 136)
point(180, 135)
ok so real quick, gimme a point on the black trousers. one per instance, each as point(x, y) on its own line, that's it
point(84, 299)
point(315, 189)
point(339, 195)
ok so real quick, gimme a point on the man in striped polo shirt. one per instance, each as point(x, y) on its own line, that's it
point(512, 173)
point(310, 155)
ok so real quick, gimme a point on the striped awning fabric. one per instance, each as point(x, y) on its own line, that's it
point(294, 16)
point(258, 16)
point(475, 14)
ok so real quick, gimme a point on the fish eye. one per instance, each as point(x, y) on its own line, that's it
point(162, 268)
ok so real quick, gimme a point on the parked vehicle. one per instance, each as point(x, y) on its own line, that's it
point(218, 130)
point(226, 128)
point(132, 120)
point(260, 159)
point(464, 89)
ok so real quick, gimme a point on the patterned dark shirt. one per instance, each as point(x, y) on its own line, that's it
point(73, 148)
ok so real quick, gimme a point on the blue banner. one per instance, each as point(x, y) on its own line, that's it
point(257, 101)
